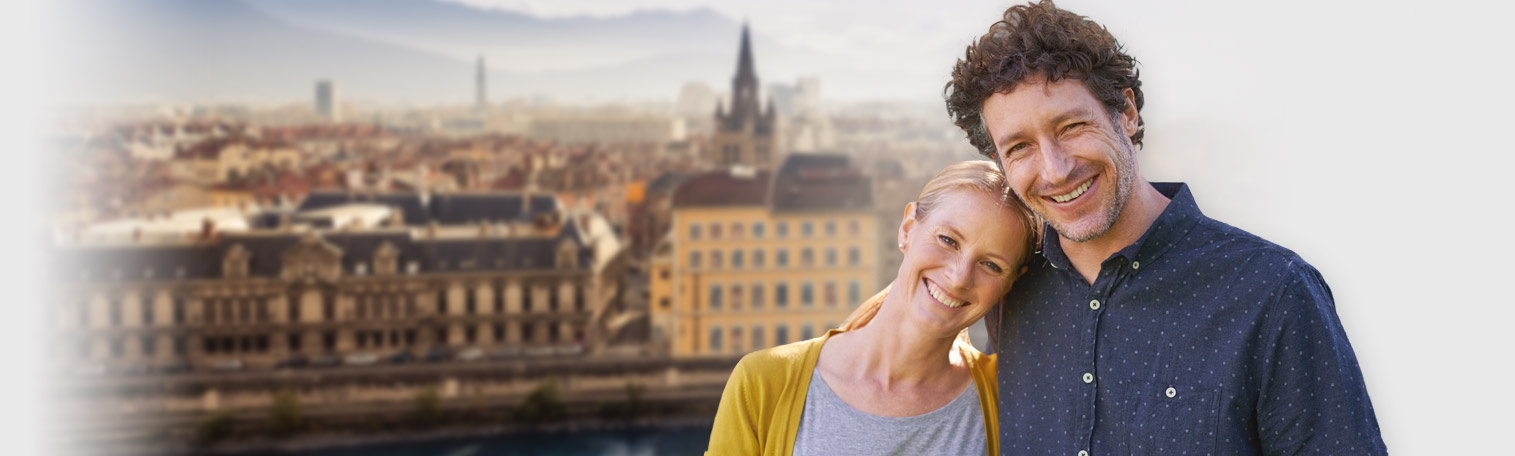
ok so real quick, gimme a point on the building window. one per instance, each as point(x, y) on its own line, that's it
point(180, 346)
point(470, 302)
point(782, 229)
point(578, 299)
point(737, 230)
point(737, 259)
point(736, 297)
point(694, 259)
point(362, 307)
point(527, 333)
point(807, 257)
point(807, 229)
point(665, 303)
point(470, 334)
point(736, 339)
point(757, 338)
point(115, 312)
point(499, 299)
point(715, 230)
point(830, 228)
point(717, 260)
point(554, 333)
point(807, 332)
point(499, 332)
point(757, 229)
point(781, 258)
point(294, 342)
point(715, 297)
point(329, 307)
point(854, 228)
point(781, 295)
point(552, 298)
point(715, 340)
point(694, 231)
point(854, 293)
point(830, 256)
point(758, 260)
point(149, 346)
point(442, 301)
point(780, 334)
point(829, 293)
point(329, 339)
point(757, 296)
point(807, 295)
point(854, 256)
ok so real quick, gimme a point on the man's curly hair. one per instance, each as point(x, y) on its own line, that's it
point(1040, 40)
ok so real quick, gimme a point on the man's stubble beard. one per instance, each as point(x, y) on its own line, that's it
point(1126, 171)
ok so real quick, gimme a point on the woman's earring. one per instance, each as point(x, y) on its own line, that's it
point(902, 246)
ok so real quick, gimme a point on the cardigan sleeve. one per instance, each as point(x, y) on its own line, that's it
point(736, 430)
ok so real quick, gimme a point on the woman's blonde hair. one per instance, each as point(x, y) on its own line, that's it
point(975, 175)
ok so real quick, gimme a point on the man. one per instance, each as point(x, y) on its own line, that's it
point(1145, 328)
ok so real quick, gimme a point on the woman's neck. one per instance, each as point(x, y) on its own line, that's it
point(889, 352)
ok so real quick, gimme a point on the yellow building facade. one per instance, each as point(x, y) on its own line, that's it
point(736, 276)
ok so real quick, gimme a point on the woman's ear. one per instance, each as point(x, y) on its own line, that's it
point(907, 222)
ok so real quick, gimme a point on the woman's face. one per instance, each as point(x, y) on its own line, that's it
point(959, 260)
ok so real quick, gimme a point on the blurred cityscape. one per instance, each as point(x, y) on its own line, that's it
point(235, 275)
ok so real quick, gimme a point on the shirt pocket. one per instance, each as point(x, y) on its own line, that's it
point(1171, 419)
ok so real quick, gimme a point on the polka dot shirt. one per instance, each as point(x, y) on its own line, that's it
point(1198, 339)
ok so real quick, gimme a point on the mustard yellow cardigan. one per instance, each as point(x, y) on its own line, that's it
point(761, 406)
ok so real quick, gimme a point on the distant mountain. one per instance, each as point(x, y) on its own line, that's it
point(425, 51)
point(225, 49)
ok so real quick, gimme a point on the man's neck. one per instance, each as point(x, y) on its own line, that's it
point(1141, 211)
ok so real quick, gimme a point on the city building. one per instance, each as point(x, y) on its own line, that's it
point(326, 101)
point(747, 134)
point(346, 276)
point(759, 258)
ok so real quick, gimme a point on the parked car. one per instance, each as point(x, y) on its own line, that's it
point(176, 367)
point(471, 354)
point(229, 364)
point(293, 362)
point(506, 352)
point(438, 354)
point(361, 359)
point(400, 357)
point(570, 349)
point(539, 351)
point(327, 360)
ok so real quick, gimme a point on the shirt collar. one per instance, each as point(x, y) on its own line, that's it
point(1176, 220)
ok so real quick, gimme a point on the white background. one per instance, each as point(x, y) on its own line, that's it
point(1369, 137)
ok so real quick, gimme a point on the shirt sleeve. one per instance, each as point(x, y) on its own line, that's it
point(735, 431)
point(1311, 398)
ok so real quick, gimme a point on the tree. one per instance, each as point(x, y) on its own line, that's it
point(287, 415)
point(428, 407)
point(542, 404)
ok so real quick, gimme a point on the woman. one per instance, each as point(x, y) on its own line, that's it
point(899, 376)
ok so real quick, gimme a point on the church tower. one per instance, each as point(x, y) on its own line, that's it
point(746, 133)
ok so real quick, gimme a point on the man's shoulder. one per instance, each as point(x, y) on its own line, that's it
point(1244, 252)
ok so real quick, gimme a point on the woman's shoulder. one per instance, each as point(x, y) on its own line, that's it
point(787, 358)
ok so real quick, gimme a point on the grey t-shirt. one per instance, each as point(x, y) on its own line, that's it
point(829, 426)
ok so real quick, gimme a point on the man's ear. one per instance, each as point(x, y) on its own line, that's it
point(907, 222)
point(1129, 118)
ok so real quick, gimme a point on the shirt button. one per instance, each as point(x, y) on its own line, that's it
point(1089, 378)
point(1171, 392)
point(1136, 265)
point(1083, 453)
point(1094, 304)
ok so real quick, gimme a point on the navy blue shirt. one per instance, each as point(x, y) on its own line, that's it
point(1198, 339)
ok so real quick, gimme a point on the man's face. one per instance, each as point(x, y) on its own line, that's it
point(1064, 154)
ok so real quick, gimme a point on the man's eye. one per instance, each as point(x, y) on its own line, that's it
point(1016, 148)
point(946, 240)
point(1074, 125)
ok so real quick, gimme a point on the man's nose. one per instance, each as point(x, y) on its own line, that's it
point(1056, 162)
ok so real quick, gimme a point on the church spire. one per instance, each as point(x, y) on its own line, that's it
point(745, 70)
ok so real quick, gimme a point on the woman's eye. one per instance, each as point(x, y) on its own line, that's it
point(993, 267)
point(946, 240)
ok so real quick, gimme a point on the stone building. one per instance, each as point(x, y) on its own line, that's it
point(747, 133)
point(502, 272)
